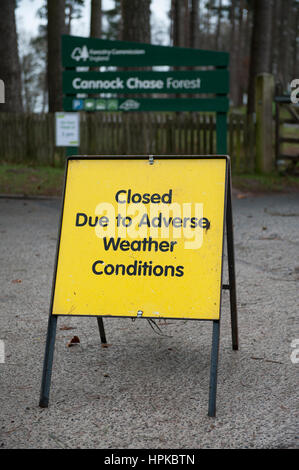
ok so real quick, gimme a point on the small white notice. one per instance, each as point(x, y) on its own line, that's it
point(67, 129)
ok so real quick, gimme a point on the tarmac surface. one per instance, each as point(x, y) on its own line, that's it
point(147, 391)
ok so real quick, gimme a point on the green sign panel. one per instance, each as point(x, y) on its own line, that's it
point(146, 104)
point(78, 51)
point(208, 81)
point(96, 53)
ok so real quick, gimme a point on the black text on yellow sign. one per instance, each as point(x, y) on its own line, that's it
point(141, 239)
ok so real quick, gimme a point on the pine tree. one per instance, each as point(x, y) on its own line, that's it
point(56, 27)
point(260, 53)
point(96, 19)
point(136, 20)
point(10, 70)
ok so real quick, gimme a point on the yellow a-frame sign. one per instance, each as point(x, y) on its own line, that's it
point(143, 237)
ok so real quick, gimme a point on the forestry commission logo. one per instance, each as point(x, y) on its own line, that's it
point(80, 53)
point(2, 92)
point(83, 54)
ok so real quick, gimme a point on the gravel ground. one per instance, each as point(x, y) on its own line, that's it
point(148, 391)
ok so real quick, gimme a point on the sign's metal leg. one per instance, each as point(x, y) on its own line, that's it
point(48, 361)
point(214, 367)
point(231, 269)
point(102, 330)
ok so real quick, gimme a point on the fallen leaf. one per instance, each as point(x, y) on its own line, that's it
point(211, 428)
point(65, 327)
point(106, 345)
point(16, 281)
point(74, 340)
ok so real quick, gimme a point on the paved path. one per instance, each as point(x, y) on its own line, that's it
point(144, 390)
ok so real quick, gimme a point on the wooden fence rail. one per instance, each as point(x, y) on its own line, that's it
point(31, 137)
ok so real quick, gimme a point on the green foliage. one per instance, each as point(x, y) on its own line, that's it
point(28, 181)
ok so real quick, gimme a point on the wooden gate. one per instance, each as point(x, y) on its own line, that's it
point(286, 129)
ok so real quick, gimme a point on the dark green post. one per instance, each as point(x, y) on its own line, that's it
point(221, 133)
point(221, 127)
point(72, 151)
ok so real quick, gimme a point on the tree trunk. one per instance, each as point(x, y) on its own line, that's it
point(177, 13)
point(260, 52)
point(10, 70)
point(208, 44)
point(240, 55)
point(136, 27)
point(218, 28)
point(186, 39)
point(284, 43)
point(233, 55)
point(96, 19)
point(194, 24)
point(136, 20)
point(295, 58)
point(56, 27)
point(275, 35)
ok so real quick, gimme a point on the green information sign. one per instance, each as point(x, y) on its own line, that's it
point(145, 104)
point(78, 51)
point(96, 53)
point(208, 81)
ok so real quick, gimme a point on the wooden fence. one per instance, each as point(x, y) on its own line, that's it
point(286, 118)
point(31, 137)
